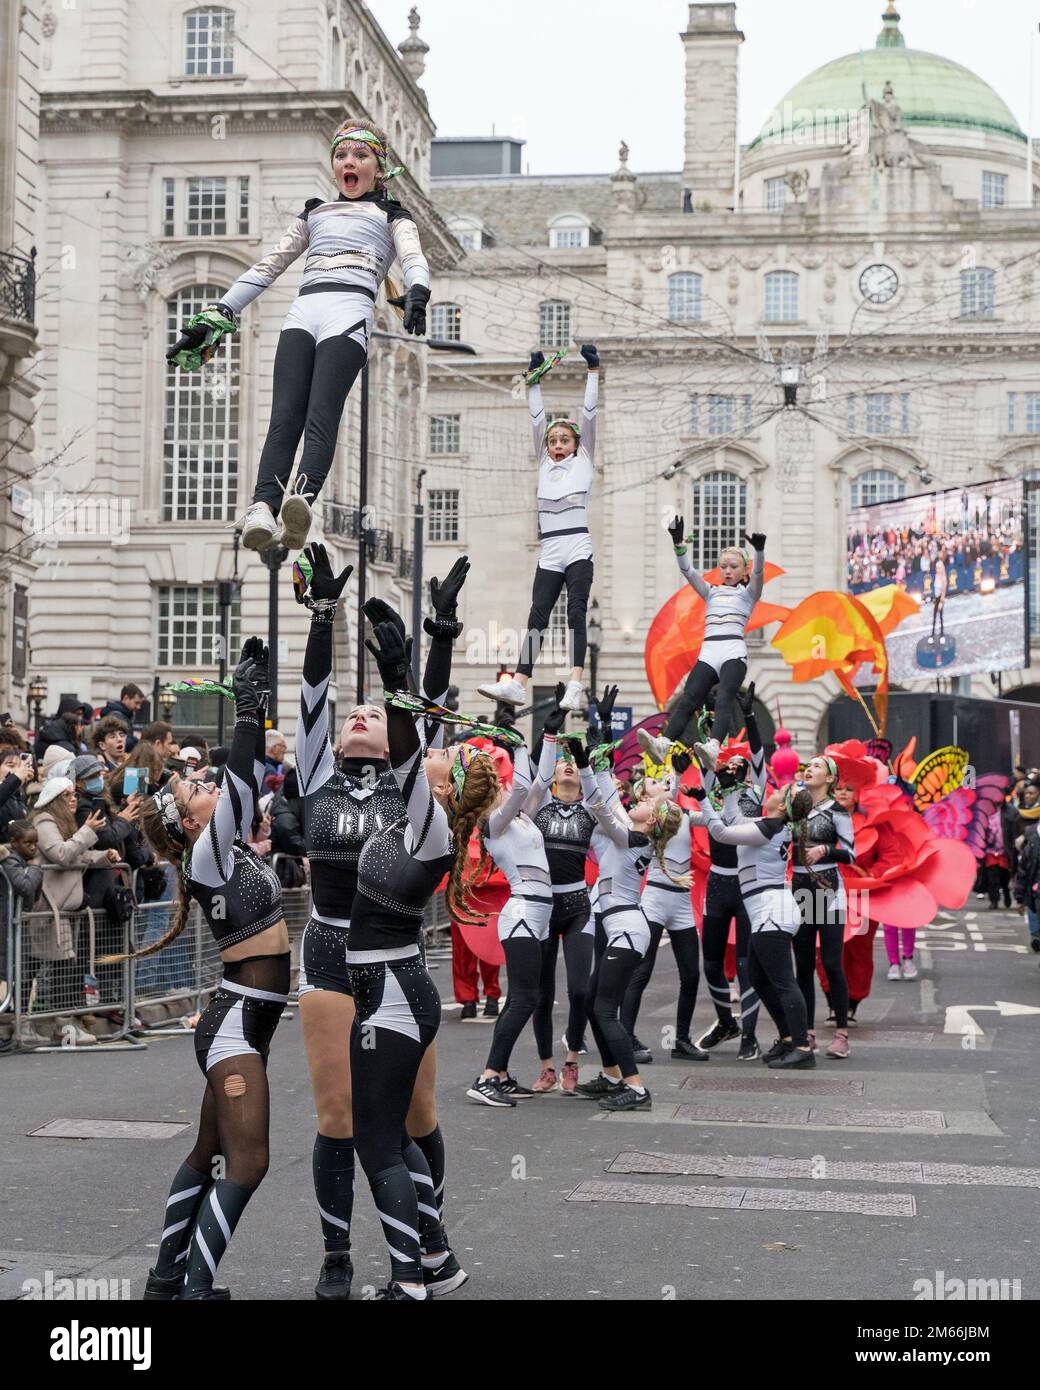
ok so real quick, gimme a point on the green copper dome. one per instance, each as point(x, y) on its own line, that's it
point(933, 92)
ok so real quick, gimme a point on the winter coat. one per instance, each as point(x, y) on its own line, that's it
point(117, 834)
point(62, 885)
point(55, 731)
point(13, 805)
point(120, 711)
point(1026, 891)
point(25, 881)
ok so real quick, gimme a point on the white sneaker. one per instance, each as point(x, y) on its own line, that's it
point(708, 753)
point(295, 517)
point(70, 1034)
point(28, 1037)
point(508, 689)
point(657, 747)
point(894, 972)
point(260, 530)
point(572, 697)
point(909, 970)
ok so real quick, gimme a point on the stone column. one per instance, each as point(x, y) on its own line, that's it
point(709, 166)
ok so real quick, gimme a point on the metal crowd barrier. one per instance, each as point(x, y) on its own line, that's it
point(7, 964)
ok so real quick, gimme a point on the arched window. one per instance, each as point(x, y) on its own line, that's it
point(978, 293)
point(781, 300)
point(200, 438)
point(571, 231)
point(718, 517)
point(554, 323)
point(209, 42)
point(684, 297)
point(875, 485)
point(468, 232)
point(446, 322)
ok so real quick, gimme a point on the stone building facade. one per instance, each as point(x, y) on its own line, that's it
point(178, 140)
point(698, 286)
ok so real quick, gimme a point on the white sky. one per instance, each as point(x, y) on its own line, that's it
point(574, 77)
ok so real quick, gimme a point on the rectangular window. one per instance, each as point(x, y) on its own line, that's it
point(446, 322)
point(994, 189)
point(442, 514)
point(188, 626)
point(1032, 400)
point(243, 205)
point(169, 190)
point(569, 238)
point(978, 293)
point(208, 43)
point(776, 195)
point(904, 413)
point(695, 414)
point(554, 324)
point(444, 434)
point(1011, 412)
point(207, 207)
point(722, 414)
point(781, 304)
point(878, 413)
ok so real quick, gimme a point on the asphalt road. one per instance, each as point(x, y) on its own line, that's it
point(695, 1210)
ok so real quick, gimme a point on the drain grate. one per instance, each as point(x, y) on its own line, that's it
point(108, 1129)
point(796, 1115)
point(798, 1085)
point(831, 1170)
point(747, 1199)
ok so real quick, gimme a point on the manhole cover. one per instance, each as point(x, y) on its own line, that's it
point(880, 1119)
point(749, 1114)
point(798, 1085)
point(108, 1129)
point(651, 1194)
point(830, 1170)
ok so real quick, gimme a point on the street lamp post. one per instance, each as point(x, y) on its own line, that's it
point(435, 345)
point(274, 559)
point(167, 700)
point(37, 694)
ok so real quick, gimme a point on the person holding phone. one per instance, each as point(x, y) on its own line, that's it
point(16, 772)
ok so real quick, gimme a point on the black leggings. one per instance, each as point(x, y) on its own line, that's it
point(639, 981)
point(723, 904)
point(772, 974)
point(577, 958)
point(383, 1066)
point(686, 951)
point(698, 687)
point(606, 993)
point(311, 382)
point(548, 585)
point(820, 913)
point(998, 880)
point(524, 968)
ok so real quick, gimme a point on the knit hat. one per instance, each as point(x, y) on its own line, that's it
point(56, 760)
point(86, 765)
point(52, 789)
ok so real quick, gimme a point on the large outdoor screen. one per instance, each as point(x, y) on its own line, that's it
point(962, 554)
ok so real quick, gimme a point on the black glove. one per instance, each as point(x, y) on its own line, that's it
point(605, 705)
point(444, 593)
point(324, 584)
point(681, 762)
point(579, 753)
point(746, 701)
point(556, 718)
point(378, 611)
point(504, 716)
point(415, 302)
point(537, 360)
point(391, 656)
point(192, 336)
point(591, 356)
point(251, 680)
point(677, 531)
point(698, 793)
point(756, 540)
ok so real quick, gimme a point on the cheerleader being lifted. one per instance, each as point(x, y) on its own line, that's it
point(723, 655)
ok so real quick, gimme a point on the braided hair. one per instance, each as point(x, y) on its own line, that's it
point(796, 812)
point(467, 811)
point(666, 826)
point(179, 856)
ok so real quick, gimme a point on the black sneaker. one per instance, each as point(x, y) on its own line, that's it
point(777, 1050)
point(488, 1090)
point(446, 1278)
point(627, 1098)
point(719, 1033)
point(393, 1293)
point(490, 1008)
point(641, 1052)
point(749, 1050)
point(598, 1087)
point(469, 1010)
point(216, 1292)
point(1034, 943)
point(793, 1059)
point(511, 1087)
point(160, 1290)
point(335, 1278)
point(687, 1051)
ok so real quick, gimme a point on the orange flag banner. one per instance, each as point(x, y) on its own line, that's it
point(676, 634)
point(831, 631)
point(889, 605)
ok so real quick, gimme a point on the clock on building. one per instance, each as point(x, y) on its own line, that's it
point(878, 283)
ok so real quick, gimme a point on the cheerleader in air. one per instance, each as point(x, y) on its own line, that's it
point(350, 243)
point(566, 452)
point(722, 658)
